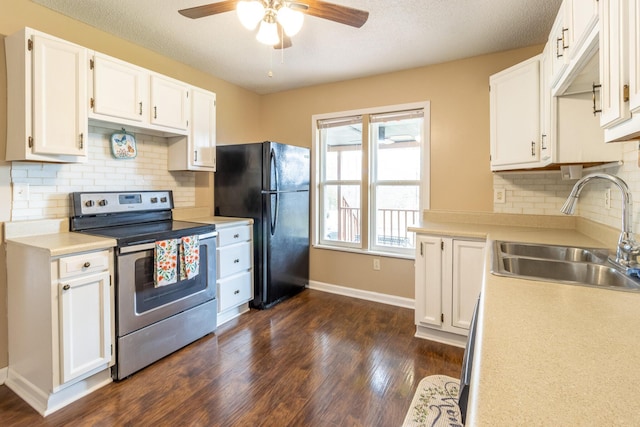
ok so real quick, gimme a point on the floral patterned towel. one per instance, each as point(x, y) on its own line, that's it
point(189, 257)
point(166, 262)
point(435, 403)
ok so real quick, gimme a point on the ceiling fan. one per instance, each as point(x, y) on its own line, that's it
point(279, 19)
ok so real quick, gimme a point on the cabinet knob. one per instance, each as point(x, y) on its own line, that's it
point(235, 261)
point(236, 236)
point(66, 287)
point(86, 264)
point(236, 292)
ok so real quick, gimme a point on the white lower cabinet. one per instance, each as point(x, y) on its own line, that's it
point(60, 324)
point(448, 280)
point(235, 270)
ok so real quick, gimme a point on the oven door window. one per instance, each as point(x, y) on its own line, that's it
point(149, 297)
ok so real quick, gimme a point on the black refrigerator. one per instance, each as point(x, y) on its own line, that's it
point(269, 182)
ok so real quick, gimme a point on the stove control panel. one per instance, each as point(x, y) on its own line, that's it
point(116, 202)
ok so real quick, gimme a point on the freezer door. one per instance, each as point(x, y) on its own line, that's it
point(287, 167)
point(286, 245)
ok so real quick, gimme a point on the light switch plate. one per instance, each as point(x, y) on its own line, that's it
point(20, 191)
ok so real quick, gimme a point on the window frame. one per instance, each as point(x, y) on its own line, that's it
point(366, 245)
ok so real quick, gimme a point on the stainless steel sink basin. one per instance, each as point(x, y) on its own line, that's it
point(554, 252)
point(560, 264)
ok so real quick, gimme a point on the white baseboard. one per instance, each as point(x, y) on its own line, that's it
point(3, 374)
point(360, 294)
point(46, 402)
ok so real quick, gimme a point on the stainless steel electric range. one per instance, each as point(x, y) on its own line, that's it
point(151, 321)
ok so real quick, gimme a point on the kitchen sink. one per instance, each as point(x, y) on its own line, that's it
point(554, 252)
point(560, 264)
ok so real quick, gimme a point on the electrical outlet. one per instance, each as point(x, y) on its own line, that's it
point(376, 264)
point(499, 195)
point(20, 191)
point(607, 198)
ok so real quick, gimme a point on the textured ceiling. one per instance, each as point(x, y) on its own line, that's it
point(399, 35)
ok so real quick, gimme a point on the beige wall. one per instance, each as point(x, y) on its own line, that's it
point(460, 173)
point(237, 112)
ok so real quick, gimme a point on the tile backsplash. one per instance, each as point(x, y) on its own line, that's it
point(545, 192)
point(51, 183)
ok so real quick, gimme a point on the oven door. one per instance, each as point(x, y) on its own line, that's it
point(140, 303)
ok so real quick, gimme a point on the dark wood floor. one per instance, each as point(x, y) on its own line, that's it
point(315, 360)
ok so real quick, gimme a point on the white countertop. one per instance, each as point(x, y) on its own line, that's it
point(54, 235)
point(548, 353)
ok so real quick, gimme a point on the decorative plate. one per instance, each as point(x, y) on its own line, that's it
point(123, 145)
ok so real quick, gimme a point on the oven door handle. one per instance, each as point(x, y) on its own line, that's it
point(152, 245)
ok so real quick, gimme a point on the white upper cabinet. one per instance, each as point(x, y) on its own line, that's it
point(515, 116)
point(559, 43)
point(169, 102)
point(613, 66)
point(582, 18)
point(197, 152)
point(634, 56)
point(46, 93)
point(620, 69)
point(124, 94)
point(120, 90)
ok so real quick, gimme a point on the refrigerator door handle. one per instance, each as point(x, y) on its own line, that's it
point(274, 213)
point(274, 170)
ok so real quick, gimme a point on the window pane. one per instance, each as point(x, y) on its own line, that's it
point(397, 207)
point(341, 213)
point(343, 152)
point(398, 145)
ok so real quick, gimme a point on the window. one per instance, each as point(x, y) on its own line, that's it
point(370, 178)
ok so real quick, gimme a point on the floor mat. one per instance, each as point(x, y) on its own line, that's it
point(435, 403)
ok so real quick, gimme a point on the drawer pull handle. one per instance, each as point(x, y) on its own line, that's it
point(235, 261)
point(66, 287)
point(236, 292)
point(87, 264)
point(236, 236)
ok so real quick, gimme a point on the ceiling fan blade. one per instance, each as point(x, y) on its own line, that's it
point(209, 9)
point(335, 12)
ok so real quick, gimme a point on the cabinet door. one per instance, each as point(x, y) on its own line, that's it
point(169, 105)
point(559, 43)
point(547, 133)
point(634, 56)
point(468, 265)
point(515, 115)
point(60, 123)
point(428, 292)
point(85, 325)
point(203, 129)
point(119, 88)
point(613, 61)
point(583, 17)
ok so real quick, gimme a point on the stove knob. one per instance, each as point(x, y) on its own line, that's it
point(103, 202)
point(154, 200)
point(89, 203)
point(163, 199)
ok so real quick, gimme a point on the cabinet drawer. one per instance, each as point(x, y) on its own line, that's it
point(234, 290)
point(83, 263)
point(229, 236)
point(233, 259)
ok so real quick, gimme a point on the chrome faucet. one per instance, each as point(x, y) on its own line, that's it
point(628, 249)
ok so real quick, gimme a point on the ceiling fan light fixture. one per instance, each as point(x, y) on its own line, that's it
point(250, 13)
point(291, 20)
point(268, 33)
